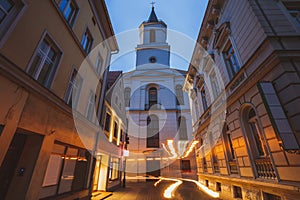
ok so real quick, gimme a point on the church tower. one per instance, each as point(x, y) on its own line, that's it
point(153, 52)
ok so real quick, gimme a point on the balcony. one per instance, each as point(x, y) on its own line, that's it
point(265, 168)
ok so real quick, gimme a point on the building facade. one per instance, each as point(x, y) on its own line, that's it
point(158, 113)
point(42, 47)
point(243, 84)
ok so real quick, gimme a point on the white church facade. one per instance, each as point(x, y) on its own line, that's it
point(158, 112)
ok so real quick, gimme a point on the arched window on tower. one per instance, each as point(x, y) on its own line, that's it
point(182, 129)
point(152, 35)
point(152, 131)
point(127, 96)
point(152, 96)
point(179, 95)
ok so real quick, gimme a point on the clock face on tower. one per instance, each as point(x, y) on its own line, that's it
point(152, 59)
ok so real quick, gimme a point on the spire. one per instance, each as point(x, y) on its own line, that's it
point(152, 17)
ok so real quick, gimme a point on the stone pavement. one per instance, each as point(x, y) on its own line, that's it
point(147, 191)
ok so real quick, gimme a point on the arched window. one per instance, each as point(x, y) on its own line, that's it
point(182, 129)
point(127, 96)
point(253, 133)
point(152, 35)
point(152, 132)
point(152, 96)
point(179, 95)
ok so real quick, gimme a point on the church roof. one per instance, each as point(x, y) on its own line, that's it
point(152, 17)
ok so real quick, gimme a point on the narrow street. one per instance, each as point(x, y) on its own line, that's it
point(147, 191)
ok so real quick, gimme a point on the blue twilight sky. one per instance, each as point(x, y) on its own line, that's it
point(183, 18)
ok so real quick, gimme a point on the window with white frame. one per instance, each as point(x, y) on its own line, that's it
point(45, 62)
point(9, 10)
point(69, 9)
point(73, 90)
point(230, 59)
point(87, 41)
point(91, 106)
point(114, 168)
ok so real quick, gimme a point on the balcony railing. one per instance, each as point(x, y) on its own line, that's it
point(233, 167)
point(265, 168)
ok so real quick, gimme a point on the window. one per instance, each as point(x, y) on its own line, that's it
point(228, 143)
point(66, 171)
point(127, 96)
point(1, 129)
point(152, 96)
point(6, 7)
point(206, 183)
point(250, 122)
point(73, 90)
point(203, 97)
point(237, 192)
point(98, 65)
point(45, 62)
point(9, 11)
point(181, 122)
point(152, 132)
point(91, 106)
point(152, 35)
point(69, 9)
point(231, 60)
point(152, 59)
point(215, 161)
point(185, 166)
point(116, 129)
point(218, 187)
point(179, 95)
point(107, 122)
point(214, 84)
point(293, 7)
point(268, 196)
point(114, 169)
point(87, 41)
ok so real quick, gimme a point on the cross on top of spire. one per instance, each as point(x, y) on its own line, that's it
point(152, 4)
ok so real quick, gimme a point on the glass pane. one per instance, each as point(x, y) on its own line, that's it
point(45, 74)
point(67, 176)
point(7, 5)
point(35, 65)
point(2, 16)
point(63, 4)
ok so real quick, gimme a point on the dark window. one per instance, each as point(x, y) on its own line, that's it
point(116, 129)
point(206, 183)
point(152, 132)
point(268, 196)
point(203, 97)
point(152, 35)
point(152, 59)
point(218, 187)
point(185, 166)
point(228, 143)
point(107, 122)
point(237, 192)
point(69, 9)
point(152, 96)
point(45, 61)
point(1, 129)
point(231, 60)
point(5, 7)
point(87, 41)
